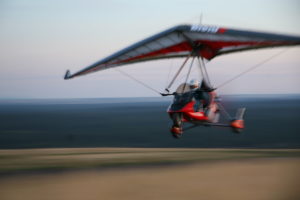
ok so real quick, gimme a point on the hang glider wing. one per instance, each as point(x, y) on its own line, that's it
point(184, 40)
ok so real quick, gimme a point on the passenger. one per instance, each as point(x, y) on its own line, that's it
point(200, 94)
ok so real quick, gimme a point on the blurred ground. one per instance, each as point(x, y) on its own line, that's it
point(130, 173)
point(45, 151)
point(51, 160)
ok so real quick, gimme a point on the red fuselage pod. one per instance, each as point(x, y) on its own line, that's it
point(188, 112)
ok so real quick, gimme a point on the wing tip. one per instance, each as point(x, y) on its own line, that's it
point(67, 75)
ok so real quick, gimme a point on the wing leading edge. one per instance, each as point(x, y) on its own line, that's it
point(184, 40)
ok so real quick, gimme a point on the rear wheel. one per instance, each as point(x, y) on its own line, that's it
point(177, 135)
point(237, 130)
point(237, 125)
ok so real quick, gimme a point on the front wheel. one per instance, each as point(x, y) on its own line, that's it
point(176, 129)
point(176, 132)
point(177, 119)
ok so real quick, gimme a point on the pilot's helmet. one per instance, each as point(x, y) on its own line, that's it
point(194, 83)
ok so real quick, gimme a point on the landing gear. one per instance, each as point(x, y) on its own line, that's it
point(176, 129)
point(176, 132)
point(237, 124)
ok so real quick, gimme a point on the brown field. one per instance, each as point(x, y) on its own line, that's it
point(137, 173)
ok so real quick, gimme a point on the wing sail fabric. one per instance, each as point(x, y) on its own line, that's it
point(184, 40)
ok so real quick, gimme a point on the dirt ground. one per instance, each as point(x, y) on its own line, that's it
point(227, 177)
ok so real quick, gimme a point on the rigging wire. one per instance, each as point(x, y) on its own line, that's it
point(178, 72)
point(136, 80)
point(189, 72)
point(252, 68)
point(203, 71)
point(169, 73)
point(222, 109)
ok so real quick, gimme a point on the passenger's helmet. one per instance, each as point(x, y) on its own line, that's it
point(194, 83)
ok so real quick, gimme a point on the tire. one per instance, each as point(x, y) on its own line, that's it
point(237, 130)
point(177, 119)
point(177, 136)
point(177, 125)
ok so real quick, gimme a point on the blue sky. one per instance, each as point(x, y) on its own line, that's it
point(41, 39)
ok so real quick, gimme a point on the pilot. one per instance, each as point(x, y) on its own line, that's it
point(194, 84)
point(200, 94)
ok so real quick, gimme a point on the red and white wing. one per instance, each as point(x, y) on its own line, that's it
point(180, 41)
